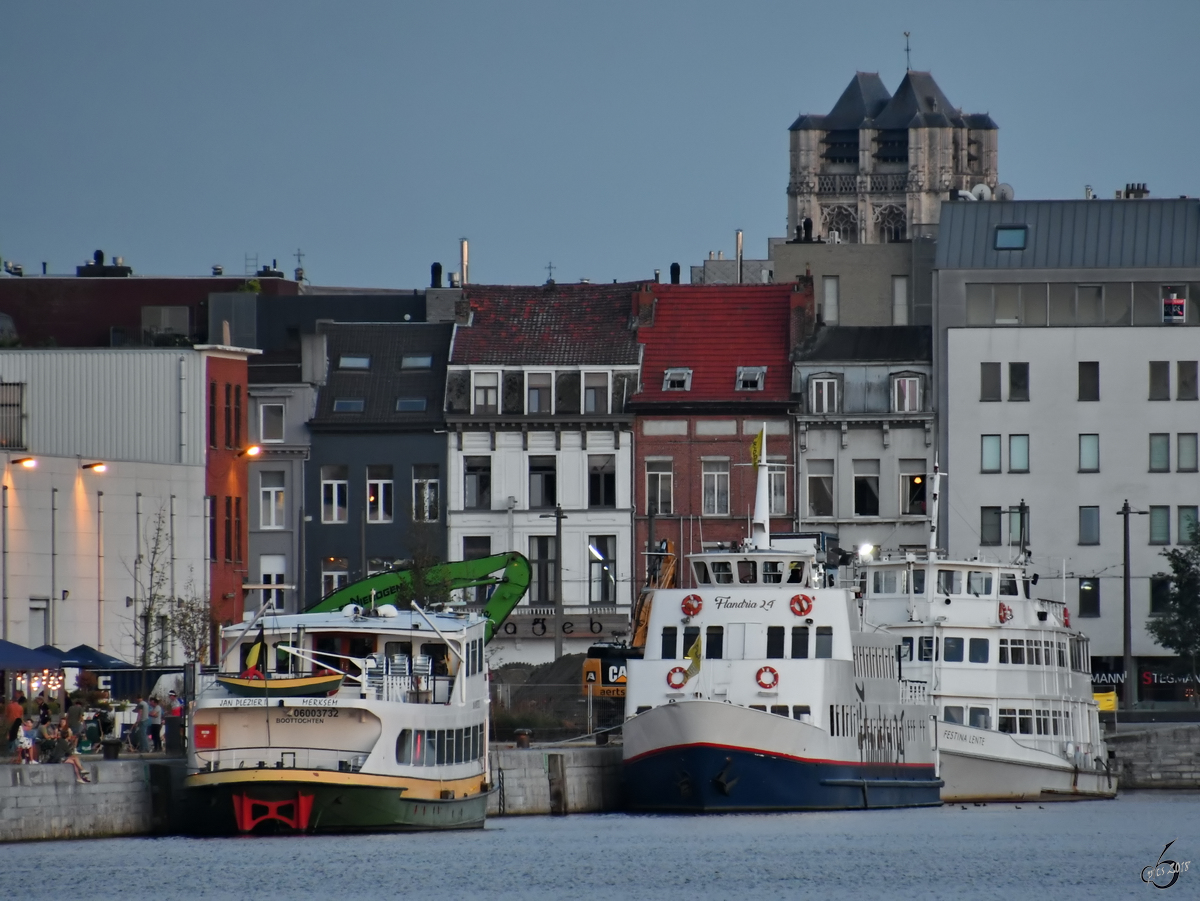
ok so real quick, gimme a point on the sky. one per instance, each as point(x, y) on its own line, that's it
point(610, 139)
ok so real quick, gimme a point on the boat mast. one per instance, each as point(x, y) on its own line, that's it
point(936, 479)
point(760, 528)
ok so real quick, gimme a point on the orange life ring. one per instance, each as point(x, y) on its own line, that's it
point(767, 673)
point(802, 604)
point(1066, 617)
point(691, 605)
point(1006, 612)
point(677, 671)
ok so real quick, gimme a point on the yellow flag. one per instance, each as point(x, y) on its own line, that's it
point(693, 656)
point(1106, 700)
point(756, 449)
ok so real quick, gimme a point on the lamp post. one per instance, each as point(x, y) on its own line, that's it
point(1130, 683)
point(558, 516)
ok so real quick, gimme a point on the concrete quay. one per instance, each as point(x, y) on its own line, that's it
point(1161, 757)
point(555, 779)
point(44, 801)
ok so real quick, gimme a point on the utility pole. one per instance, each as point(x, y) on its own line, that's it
point(558, 558)
point(1129, 692)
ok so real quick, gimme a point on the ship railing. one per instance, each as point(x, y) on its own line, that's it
point(277, 758)
point(913, 691)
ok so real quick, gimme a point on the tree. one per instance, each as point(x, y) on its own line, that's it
point(151, 601)
point(193, 621)
point(426, 591)
point(1177, 626)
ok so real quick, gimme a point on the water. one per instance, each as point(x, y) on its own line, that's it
point(1066, 850)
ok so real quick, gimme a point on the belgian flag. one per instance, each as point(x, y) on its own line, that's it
point(257, 652)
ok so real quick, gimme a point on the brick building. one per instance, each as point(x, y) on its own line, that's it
point(716, 366)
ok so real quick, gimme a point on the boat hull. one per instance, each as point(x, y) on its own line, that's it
point(679, 758)
point(313, 686)
point(327, 805)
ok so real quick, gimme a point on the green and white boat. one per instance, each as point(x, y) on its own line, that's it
point(356, 716)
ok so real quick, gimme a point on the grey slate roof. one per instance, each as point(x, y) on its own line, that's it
point(1072, 234)
point(918, 103)
point(386, 343)
point(876, 343)
point(863, 98)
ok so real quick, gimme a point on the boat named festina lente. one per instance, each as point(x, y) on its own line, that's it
point(1009, 676)
point(760, 690)
point(355, 716)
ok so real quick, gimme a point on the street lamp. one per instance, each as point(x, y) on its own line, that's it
point(95, 467)
point(252, 451)
point(1130, 684)
point(558, 516)
point(27, 462)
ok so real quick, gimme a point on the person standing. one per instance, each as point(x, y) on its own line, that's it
point(174, 705)
point(43, 710)
point(140, 724)
point(156, 723)
point(75, 716)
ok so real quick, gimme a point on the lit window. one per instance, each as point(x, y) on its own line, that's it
point(751, 378)
point(348, 405)
point(677, 380)
point(350, 361)
point(410, 405)
point(416, 361)
point(1010, 237)
point(335, 574)
point(379, 493)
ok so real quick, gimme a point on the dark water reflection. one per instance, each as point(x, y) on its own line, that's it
point(1066, 850)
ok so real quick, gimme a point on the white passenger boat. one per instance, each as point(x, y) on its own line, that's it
point(1009, 676)
point(758, 690)
point(356, 716)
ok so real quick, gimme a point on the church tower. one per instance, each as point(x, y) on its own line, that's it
point(877, 167)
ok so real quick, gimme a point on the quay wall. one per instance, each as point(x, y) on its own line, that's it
point(1163, 757)
point(44, 801)
point(555, 780)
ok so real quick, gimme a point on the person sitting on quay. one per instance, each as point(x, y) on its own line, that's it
point(156, 723)
point(63, 751)
point(25, 742)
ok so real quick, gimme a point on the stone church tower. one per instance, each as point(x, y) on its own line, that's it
point(876, 169)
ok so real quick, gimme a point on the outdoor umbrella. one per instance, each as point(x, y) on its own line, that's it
point(15, 657)
point(87, 657)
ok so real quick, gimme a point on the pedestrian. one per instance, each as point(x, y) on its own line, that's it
point(43, 710)
point(156, 724)
point(174, 705)
point(75, 716)
point(15, 709)
point(138, 738)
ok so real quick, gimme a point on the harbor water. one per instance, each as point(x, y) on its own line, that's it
point(1092, 849)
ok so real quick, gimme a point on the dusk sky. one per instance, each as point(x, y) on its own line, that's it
point(610, 138)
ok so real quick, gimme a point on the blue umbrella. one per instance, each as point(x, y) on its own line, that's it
point(87, 657)
point(18, 658)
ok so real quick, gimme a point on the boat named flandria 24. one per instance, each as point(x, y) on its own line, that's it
point(1008, 675)
point(759, 690)
point(354, 716)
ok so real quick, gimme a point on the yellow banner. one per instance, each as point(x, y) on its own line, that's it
point(1106, 700)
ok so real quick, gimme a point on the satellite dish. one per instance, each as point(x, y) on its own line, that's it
point(1004, 192)
point(981, 192)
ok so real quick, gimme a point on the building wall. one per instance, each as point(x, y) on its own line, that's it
point(1054, 488)
point(394, 541)
point(686, 441)
point(53, 559)
point(864, 272)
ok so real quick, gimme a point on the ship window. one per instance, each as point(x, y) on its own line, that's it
point(981, 718)
point(714, 643)
point(977, 650)
point(775, 642)
point(824, 641)
point(1062, 655)
point(747, 572)
point(979, 584)
point(772, 572)
point(1004, 650)
point(883, 582)
point(949, 581)
point(722, 572)
point(1025, 721)
point(1008, 720)
point(1008, 585)
point(458, 745)
point(952, 652)
point(440, 741)
point(691, 635)
point(762, 707)
point(1035, 653)
point(799, 642)
point(702, 573)
point(670, 636)
point(801, 712)
point(795, 572)
point(779, 709)
point(918, 581)
point(925, 648)
point(906, 648)
point(1055, 721)
point(404, 746)
point(1043, 722)
point(1016, 650)
point(952, 715)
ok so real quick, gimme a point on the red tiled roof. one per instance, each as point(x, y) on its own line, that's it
point(572, 325)
point(712, 330)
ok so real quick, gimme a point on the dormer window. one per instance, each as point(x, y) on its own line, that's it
point(677, 380)
point(486, 394)
point(1010, 237)
point(354, 361)
point(751, 378)
point(906, 394)
point(822, 395)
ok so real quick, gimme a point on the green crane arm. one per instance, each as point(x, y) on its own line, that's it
point(508, 588)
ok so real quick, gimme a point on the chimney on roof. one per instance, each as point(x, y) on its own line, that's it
point(802, 307)
point(657, 276)
point(674, 273)
point(738, 242)
point(643, 307)
point(435, 275)
point(462, 252)
point(1136, 191)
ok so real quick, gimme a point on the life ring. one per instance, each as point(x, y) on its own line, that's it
point(1066, 617)
point(1006, 612)
point(681, 673)
point(767, 677)
point(802, 604)
point(691, 605)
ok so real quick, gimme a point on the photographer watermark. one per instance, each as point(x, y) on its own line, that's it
point(1167, 870)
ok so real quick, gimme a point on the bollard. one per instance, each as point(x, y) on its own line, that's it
point(601, 739)
point(522, 737)
point(111, 748)
point(173, 735)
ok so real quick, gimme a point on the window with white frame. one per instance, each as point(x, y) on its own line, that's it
point(822, 395)
point(477, 483)
point(658, 487)
point(906, 394)
point(820, 487)
point(335, 493)
point(539, 390)
point(426, 488)
point(595, 392)
point(602, 480)
point(272, 569)
point(777, 485)
point(485, 395)
point(750, 378)
point(335, 574)
point(271, 515)
point(677, 379)
point(602, 566)
point(716, 487)
point(380, 493)
point(270, 418)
